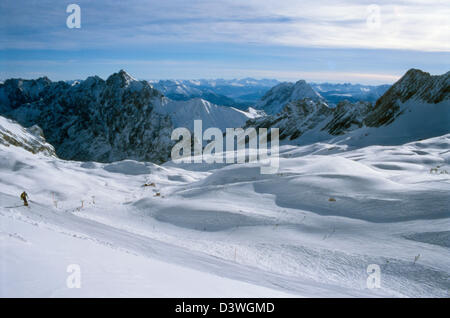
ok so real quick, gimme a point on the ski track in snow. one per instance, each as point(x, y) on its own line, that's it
point(227, 230)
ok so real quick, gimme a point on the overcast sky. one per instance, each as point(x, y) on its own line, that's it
point(336, 41)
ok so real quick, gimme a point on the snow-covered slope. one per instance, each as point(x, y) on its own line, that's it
point(183, 114)
point(280, 95)
point(343, 199)
point(31, 139)
point(310, 230)
point(415, 87)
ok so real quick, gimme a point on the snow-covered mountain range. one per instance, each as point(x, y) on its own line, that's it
point(31, 139)
point(415, 87)
point(239, 93)
point(120, 118)
point(123, 118)
point(417, 106)
point(248, 92)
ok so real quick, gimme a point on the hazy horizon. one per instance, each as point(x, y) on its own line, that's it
point(210, 79)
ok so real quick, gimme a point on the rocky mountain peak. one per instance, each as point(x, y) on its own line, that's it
point(121, 79)
point(415, 85)
point(282, 94)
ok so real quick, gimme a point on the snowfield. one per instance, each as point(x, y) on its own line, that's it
point(311, 230)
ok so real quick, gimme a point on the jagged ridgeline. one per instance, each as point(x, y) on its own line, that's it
point(418, 103)
point(92, 120)
point(123, 118)
point(105, 121)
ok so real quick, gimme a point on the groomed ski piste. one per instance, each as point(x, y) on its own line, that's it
point(310, 230)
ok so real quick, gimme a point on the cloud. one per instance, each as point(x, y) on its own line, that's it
point(322, 40)
point(412, 25)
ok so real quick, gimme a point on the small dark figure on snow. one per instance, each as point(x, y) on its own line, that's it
point(24, 197)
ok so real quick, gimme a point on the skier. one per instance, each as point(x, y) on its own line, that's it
point(24, 197)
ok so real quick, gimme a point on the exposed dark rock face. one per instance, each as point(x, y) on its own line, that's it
point(347, 116)
point(307, 115)
point(414, 85)
point(94, 120)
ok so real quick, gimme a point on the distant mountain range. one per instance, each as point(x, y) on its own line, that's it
point(239, 93)
point(123, 118)
point(30, 139)
point(335, 93)
point(248, 92)
point(282, 94)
